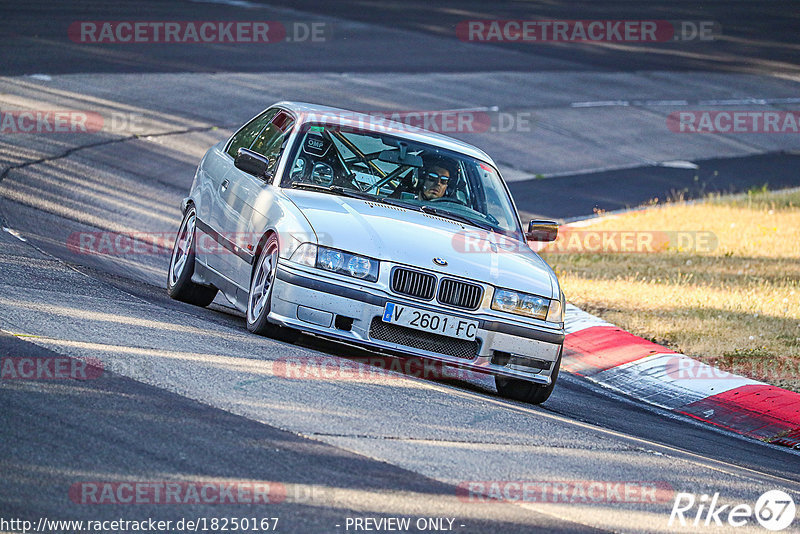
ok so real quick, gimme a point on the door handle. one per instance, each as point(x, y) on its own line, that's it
point(224, 185)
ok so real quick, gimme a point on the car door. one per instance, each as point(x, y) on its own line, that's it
point(212, 168)
point(222, 206)
point(239, 193)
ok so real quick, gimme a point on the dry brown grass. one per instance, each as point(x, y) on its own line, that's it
point(737, 307)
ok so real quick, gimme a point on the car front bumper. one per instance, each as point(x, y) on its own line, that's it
point(306, 299)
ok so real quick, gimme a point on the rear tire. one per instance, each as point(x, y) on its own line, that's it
point(259, 301)
point(525, 391)
point(181, 266)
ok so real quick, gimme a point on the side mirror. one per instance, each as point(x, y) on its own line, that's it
point(539, 230)
point(254, 163)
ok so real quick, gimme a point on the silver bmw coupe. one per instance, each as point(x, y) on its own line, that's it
point(359, 229)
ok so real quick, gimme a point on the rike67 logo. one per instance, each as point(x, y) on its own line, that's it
point(774, 510)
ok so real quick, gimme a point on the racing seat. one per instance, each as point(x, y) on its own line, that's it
point(456, 189)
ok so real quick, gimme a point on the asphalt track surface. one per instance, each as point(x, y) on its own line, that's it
point(188, 395)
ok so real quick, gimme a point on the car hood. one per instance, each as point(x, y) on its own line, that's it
point(414, 238)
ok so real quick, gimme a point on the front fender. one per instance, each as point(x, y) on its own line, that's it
point(274, 212)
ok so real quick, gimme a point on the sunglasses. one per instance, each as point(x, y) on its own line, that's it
point(433, 177)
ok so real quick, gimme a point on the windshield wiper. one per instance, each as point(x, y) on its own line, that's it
point(354, 193)
point(455, 216)
point(335, 189)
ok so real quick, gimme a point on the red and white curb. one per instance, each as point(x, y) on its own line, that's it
point(616, 359)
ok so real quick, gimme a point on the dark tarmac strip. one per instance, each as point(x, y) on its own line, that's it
point(582, 195)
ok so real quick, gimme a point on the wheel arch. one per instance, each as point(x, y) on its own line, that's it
point(261, 242)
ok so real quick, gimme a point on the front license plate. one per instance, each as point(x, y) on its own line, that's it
point(427, 321)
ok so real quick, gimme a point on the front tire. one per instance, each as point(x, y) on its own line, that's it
point(181, 266)
point(259, 301)
point(525, 391)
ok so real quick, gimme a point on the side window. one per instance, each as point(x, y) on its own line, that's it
point(244, 137)
point(270, 141)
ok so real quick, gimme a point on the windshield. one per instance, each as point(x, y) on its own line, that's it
point(373, 165)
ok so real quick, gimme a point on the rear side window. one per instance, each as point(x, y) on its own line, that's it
point(248, 133)
point(270, 141)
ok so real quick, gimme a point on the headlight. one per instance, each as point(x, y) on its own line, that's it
point(505, 300)
point(337, 261)
point(520, 303)
point(359, 266)
point(329, 259)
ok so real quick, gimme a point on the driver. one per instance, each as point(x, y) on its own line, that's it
point(435, 177)
point(434, 182)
